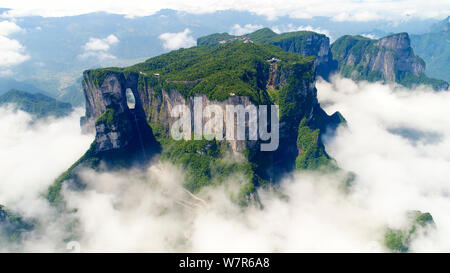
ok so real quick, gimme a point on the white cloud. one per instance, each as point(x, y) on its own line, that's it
point(291, 27)
point(99, 48)
point(11, 51)
point(101, 55)
point(394, 174)
point(369, 35)
point(397, 143)
point(7, 28)
point(248, 28)
point(341, 9)
point(177, 40)
point(96, 44)
point(150, 211)
point(33, 154)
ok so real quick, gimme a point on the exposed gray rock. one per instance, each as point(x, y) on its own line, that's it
point(389, 59)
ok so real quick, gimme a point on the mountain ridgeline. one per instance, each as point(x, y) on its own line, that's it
point(36, 104)
point(389, 59)
point(307, 43)
point(228, 74)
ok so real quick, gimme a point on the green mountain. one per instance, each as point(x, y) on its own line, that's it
point(236, 73)
point(36, 104)
point(307, 43)
point(389, 59)
point(434, 48)
point(399, 240)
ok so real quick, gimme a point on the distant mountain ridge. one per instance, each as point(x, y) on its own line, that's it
point(37, 104)
point(7, 84)
point(441, 26)
point(434, 48)
point(55, 44)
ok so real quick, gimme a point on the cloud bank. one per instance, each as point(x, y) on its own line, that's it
point(33, 155)
point(396, 142)
point(172, 41)
point(150, 211)
point(340, 10)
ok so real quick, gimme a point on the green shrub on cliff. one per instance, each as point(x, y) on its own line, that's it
point(399, 240)
point(106, 118)
point(409, 80)
point(53, 194)
point(214, 38)
point(312, 154)
point(204, 161)
point(295, 41)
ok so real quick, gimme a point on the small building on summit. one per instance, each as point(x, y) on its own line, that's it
point(273, 60)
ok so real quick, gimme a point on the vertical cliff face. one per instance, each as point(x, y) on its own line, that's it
point(116, 125)
point(233, 74)
point(396, 57)
point(389, 59)
point(311, 44)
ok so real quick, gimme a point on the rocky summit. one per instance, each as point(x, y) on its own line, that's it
point(389, 59)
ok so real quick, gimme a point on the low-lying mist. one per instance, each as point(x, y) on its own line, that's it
point(397, 142)
point(34, 153)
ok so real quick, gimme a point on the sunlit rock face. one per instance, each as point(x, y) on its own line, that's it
point(389, 59)
point(155, 95)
